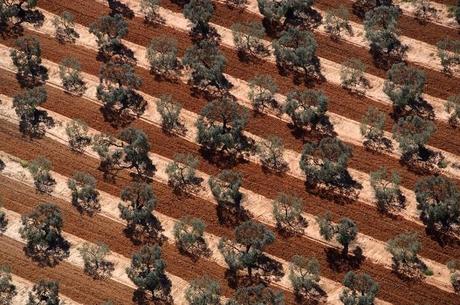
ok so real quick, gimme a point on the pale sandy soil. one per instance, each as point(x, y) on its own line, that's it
point(260, 206)
point(419, 52)
point(442, 14)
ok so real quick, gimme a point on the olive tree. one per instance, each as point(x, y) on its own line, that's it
point(27, 59)
point(14, 13)
point(404, 249)
point(45, 292)
point(70, 74)
point(199, 12)
point(7, 288)
point(3, 219)
point(300, 14)
point(274, 13)
point(454, 268)
point(387, 192)
point(256, 294)
point(449, 54)
point(295, 51)
point(188, 233)
point(109, 30)
point(170, 111)
point(372, 129)
point(352, 75)
point(130, 152)
point(33, 122)
point(271, 154)
point(136, 208)
point(118, 83)
point(438, 200)
point(64, 28)
point(337, 21)
point(85, 196)
point(150, 9)
point(307, 109)
point(424, 10)
point(221, 128)
point(361, 7)
point(207, 64)
point(237, 3)
point(326, 163)
point(412, 133)
point(359, 289)
point(77, 133)
point(248, 39)
point(147, 271)
point(452, 107)
point(181, 173)
point(262, 89)
point(162, 56)
point(203, 291)
point(345, 231)
point(225, 188)
point(380, 26)
point(287, 211)
point(39, 169)
point(404, 86)
point(304, 274)
point(42, 231)
point(96, 264)
point(246, 251)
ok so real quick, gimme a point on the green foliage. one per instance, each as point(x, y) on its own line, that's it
point(305, 276)
point(14, 13)
point(386, 190)
point(181, 173)
point(359, 289)
point(207, 64)
point(45, 292)
point(138, 203)
point(454, 268)
point(27, 59)
point(361, 7)
point(77, 132)
point(237, 3)
point(147, 271)
point(188, 233)
point(248, 39)
point(150, 9)
point(7, 288)
point(169, 111)
point(326, 163)
point(337, 21)
point(203, 291)
point(352, 75)
point(131, 153)
point(307, 109)
point(404, 85)
point(109, 30)
point(3, 220)
point(40, 169)
point(117, 91)
point(372, 129)
point(41, 230)
point(33, 122)
point(424, 10)
point(162, 56)
point(256, 295)
point(226, 188)
point(452, 107)
point(271, 153)
point(295, 51)
point(438, 200)
point(199, 12)
point(449, 53)
point(64, 27)
point(287, 211)
point(85, 196)
point(404, 249)
point(70, 74)
point(220, 128)
point(273, 12)
point(412, 133)
point(94, 258)
point(345, 231)
point(247, 250)
point(262, 89)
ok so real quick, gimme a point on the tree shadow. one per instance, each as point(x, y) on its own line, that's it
point(148, 232)
point(49, 256)
point(343, 192)
point(230, 216)
point(199, 250)
point(340, 262)
point(119, 8)
point(34, 125)
point(188, 189)
point(143, 297)
point(317, 296)
point(424, 161)
point(384, 60)
point(118, 50)
point(380, 145)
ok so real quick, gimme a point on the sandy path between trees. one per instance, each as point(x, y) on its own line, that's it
point(261, 207)
point(444, 18)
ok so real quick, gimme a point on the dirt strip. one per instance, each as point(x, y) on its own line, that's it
point(341, 101)
point(73, 283)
